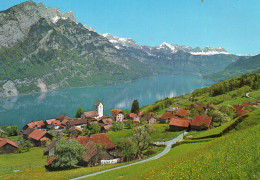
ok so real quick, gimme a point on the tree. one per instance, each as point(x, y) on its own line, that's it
point(94, 128)
point(117, 126)
point(67, 153)
point(79, 112)
point(135, 107)
point(129, 124)
point(228, 110)
point(127, 148)
point(24, 145)
point(142, 137)
point(218, 116)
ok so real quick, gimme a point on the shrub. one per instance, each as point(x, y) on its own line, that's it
point(24, 145)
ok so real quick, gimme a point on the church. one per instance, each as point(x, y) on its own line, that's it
point(97, 113)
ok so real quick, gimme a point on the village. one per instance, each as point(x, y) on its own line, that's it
point(91, 127)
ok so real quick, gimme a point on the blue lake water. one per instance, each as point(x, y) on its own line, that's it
point(23, 109)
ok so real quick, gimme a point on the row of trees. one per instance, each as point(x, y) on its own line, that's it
point(252, 81)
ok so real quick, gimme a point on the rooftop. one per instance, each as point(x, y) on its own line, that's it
point(116, 111)
point(199, 120)
point(7, 141)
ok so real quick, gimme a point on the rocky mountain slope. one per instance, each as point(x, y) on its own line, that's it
point(43, 49)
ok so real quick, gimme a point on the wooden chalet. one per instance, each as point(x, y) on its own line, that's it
point(94, 155)
point(49, 124)
point(182, 113)
point(50, 149)
point(38, 136)
point(166, 117)
point(106, 123)
point(149, 119)
point(27, 132)
point(80, 123)
point(35, 125)
point(201, 123)
point(8, 146)
point(179, 124)
point(63, 117)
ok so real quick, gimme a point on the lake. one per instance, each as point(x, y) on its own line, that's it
point(41, 106)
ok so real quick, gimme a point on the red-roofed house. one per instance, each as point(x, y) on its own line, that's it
point(48, 123)
point(134, 117)
point(101, 138)
point(201, 122)
point(182, 113)
point(56, 124)
point(118, 114)
point(149, 119)
point(36, 136)
point(166, 117)
point(34, 124)
point(179, 124)
point(94, 156)
point(7, 146)
point(63, 117)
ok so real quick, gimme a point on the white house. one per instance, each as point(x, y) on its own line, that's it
point(118, 114)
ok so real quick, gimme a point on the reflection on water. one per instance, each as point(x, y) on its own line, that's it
point(9, 102)
point(23, 109)
point(42, 96)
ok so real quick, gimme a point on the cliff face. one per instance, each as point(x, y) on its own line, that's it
point(43, 49)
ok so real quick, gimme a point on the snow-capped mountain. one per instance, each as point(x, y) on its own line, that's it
point(174, 58)
point(173, 48)
point(121, 43)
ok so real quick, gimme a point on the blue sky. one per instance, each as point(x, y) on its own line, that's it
point(232, 24)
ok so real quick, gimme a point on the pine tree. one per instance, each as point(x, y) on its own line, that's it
point(135, 107)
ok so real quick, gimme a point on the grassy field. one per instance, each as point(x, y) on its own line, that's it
point(233, 156)
point(114, 136)
point(22, 160)
point(160, 133)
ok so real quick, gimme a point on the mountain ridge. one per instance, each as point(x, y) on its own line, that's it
point(43, 49)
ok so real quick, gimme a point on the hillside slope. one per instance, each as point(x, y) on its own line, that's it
point(233, 156)
point(244, 65)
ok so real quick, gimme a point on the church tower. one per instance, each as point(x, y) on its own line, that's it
point(99, 108)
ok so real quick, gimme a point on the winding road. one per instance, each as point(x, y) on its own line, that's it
point(247, 95)
point(165, 151)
